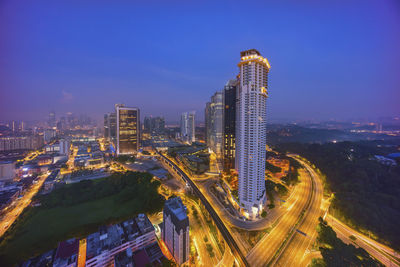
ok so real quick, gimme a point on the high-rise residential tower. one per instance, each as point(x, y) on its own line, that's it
point(251, 131)
point(188, 127)
point(128, 129)
point(175, 230)
point(229, 124)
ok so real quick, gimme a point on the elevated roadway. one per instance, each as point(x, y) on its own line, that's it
point(237, 253)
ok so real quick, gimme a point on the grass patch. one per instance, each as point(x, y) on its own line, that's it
point(40, 229)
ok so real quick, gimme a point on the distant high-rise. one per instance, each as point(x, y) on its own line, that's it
point(106, 126)
point(207, 119)
point(175, 230)
point(49, 135)
point(214, 123)
point(251, 131)
point(52, 119)
point(188, 127)
point(64, 147)
point(229, 124)
point(112, 126)
point(154, 126)
point(128, 129)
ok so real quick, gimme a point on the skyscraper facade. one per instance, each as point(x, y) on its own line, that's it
point(214, 125)
point(106, 126)
point(229, 124)
point(188, 127)
point(175, 230)
point(110, 126)
point(128, 130)
point(52, 119)
point(251, 131)
point(154, 125)
point(207, 120)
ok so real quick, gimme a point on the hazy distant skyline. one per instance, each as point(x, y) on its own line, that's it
point(328, 60)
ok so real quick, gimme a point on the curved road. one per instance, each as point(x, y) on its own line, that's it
point(266, 249)
point(258, 225)
point(295, 252)
point(19, 205)
point(383, 253)
point(218, 222)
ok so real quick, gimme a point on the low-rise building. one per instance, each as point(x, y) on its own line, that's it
point(7, 170)
point(130, 243)
point(20, 142)
point(45, 259)
point(133, 234)
point(67, 253)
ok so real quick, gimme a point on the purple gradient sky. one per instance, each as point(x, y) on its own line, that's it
point(329, 60)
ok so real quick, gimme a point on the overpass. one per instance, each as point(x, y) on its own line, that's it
point(237, 253)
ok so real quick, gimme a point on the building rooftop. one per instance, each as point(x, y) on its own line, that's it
point(250, 52)
point(124, 258)
point(176, 206)
point(111, 236)
point(67, 252)
point(44, 259)
point(141, 259)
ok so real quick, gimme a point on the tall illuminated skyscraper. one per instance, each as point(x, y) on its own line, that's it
point(229, 124)
point(251, 131)
point(128, 129)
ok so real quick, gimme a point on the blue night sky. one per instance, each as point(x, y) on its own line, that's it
point(328, 60)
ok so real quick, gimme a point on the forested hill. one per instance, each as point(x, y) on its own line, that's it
point(367, 193)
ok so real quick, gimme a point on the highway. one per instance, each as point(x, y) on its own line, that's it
point(228, 259)
point(237, 253)
point(267, 247)
point(257, 225)
point(18, 206)
point(199, 228)
point(200, 231)
point(298, 246)
point(384, 254)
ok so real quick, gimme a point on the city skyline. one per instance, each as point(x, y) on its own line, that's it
point(319, 68)
point(184, 133)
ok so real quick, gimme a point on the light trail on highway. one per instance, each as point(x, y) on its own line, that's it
point(296, 249)
point(382, 253)
point(218, 222)
point(19, 205)
point(267, 247)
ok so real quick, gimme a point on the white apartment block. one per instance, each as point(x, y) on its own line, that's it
point(251, 131)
